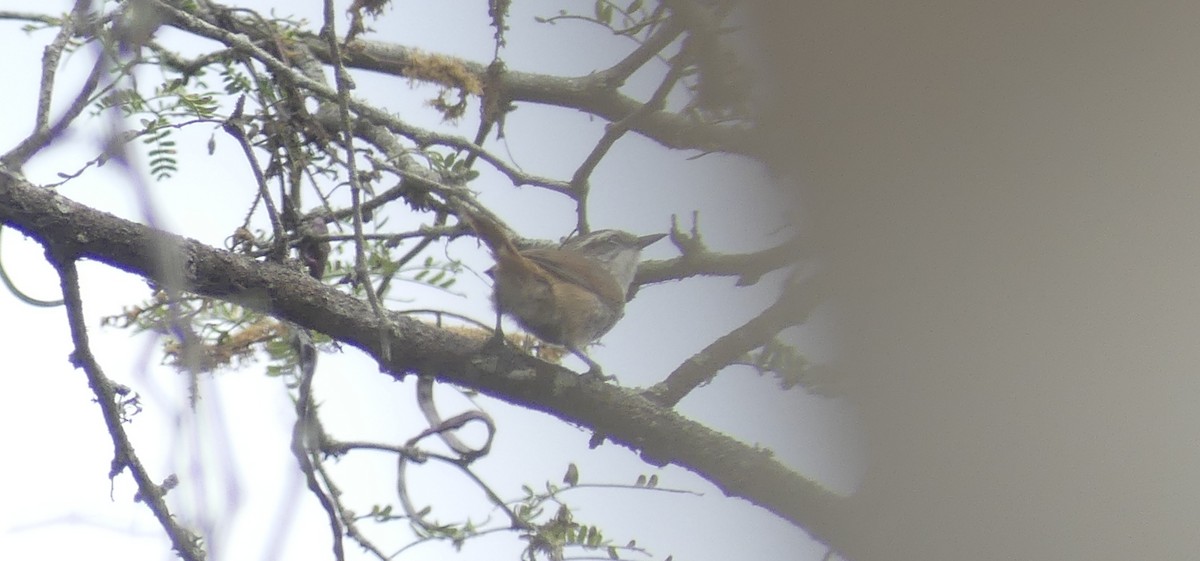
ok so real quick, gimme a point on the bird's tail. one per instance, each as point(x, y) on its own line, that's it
point(488, 229)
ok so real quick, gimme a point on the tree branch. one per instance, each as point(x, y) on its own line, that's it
point(659, 434)
point(110, 396)
point(793, 306)
point(589, 94)
point(748, 267)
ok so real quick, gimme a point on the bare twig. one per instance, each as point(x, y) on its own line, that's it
point(20, 294)
point(27, 16)
point(110, 397)
point(612, 133)
point(43, 131)
point(344, 85)
point(306, 430)
point(616, 74)
point(234, 129)
point(792, 308)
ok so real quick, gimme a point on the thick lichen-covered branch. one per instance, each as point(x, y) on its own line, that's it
point(659, 434)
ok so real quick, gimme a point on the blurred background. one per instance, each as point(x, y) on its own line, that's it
point(1009, 196)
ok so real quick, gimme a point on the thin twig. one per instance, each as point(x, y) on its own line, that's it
point(43, 132)
point(612, 133)
point(344, 85)
point(420, 136)
point(792, 308)
point(110, 398)
point(234, 129)
point(304, 432)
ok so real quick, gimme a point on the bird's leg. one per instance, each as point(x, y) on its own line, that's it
point(497, 338)
point(496, 345)
point(594, 371)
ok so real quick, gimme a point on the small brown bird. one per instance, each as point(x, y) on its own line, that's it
point(619, 252)
point(562, 295)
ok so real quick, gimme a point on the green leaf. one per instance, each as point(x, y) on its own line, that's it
point(594, 537)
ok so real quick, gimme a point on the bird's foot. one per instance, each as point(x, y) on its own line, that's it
point(595, 373)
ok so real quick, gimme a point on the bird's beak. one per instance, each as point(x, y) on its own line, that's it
point(646, 240)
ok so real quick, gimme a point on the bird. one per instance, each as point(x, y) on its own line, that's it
point(617, 250)
point(569, 295)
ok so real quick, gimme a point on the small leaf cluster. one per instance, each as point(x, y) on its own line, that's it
point(784, 361)
point(629, 20)
point(548, 539)
point(159, 114)
point(200, 334)
point(450, 167)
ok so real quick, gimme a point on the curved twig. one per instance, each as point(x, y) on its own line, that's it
point(20, 294)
